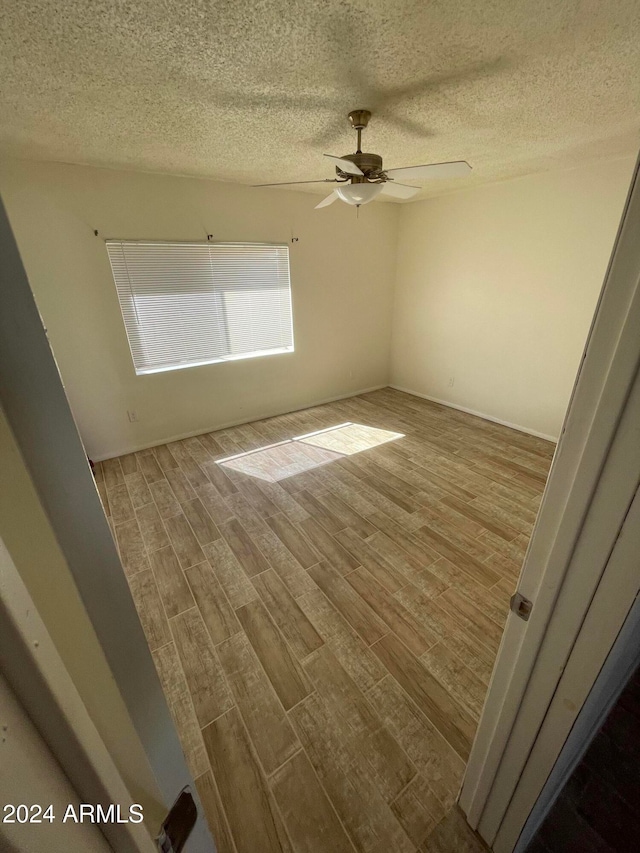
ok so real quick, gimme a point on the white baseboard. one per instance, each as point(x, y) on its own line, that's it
point(257, 417)
point(485, 417)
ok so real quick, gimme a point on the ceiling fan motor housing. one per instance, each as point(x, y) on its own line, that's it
point(370, 164)
point(359, 119)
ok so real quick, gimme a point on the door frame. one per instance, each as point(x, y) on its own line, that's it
point(35, 672)
point(621, 663)
point(591, 486)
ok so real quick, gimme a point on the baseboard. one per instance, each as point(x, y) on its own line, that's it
point(482, 415)
point(258, 417)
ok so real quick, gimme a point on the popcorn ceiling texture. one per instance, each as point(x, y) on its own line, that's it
point(256, 91)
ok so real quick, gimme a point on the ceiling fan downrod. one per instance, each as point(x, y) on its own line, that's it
point(359, 119)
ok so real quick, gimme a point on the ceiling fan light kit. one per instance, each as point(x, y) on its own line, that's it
point(361, 177)
point(359, 193)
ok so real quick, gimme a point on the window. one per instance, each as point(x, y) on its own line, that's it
point(186, 304)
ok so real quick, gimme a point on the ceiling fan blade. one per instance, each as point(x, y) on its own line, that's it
point(328, 200)
point(290, 183)
point(399, 190)
point(346, 165)
point(434, 170)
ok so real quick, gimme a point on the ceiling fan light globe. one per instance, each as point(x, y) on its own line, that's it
point(359, 193)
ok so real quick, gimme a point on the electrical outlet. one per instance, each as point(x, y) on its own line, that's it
point(133, 416)
point(451, 381)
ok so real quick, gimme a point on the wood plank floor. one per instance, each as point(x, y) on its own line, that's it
point(323, 594)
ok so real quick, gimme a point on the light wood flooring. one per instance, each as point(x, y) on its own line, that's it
point(324, 612)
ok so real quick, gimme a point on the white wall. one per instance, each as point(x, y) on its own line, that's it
point(496, 287)
point(342, 270)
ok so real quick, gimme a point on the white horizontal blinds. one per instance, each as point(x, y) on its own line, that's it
point(195, 303)
point(170, 309)
point(256, 297)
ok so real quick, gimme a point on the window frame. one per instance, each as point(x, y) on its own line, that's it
point(219, 359)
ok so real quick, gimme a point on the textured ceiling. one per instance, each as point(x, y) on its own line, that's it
point(256, 91)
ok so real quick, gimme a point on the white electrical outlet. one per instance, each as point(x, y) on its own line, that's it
point(451, 381)
point(133, 417)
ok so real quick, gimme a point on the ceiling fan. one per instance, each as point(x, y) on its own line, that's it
point(361, 178)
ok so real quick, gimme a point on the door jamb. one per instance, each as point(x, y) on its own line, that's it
point(37, 675)
point(619, 666)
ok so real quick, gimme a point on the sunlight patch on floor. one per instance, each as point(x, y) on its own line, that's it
point(349, 438)
point(303, 453)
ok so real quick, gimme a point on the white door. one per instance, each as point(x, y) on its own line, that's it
point(567, 569)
